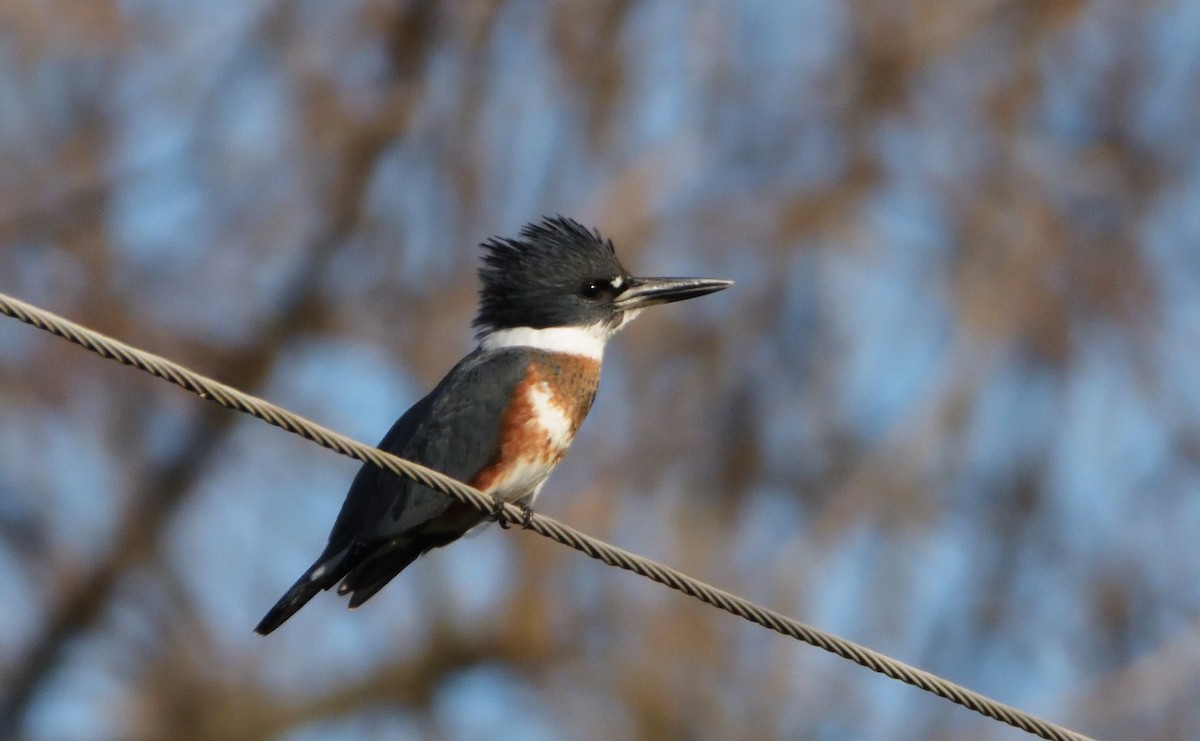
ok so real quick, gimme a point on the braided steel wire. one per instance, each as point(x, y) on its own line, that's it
point(231, 398)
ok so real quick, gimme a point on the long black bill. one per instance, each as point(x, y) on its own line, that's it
point(642, 292)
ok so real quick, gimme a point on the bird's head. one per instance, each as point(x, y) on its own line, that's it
point(560, 275)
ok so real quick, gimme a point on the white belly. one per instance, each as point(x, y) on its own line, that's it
point(550, 424)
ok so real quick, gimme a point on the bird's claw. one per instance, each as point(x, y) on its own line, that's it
point(497, 514)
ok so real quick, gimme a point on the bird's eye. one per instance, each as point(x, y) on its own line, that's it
point(592, 289)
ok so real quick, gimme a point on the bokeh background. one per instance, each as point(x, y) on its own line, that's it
point(950, 410)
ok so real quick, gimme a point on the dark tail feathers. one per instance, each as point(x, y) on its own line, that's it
point(373, 574)
point(321, 575)
point(364, 574)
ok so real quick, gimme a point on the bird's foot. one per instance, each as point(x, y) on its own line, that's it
point(526, 515)
point(497, 514)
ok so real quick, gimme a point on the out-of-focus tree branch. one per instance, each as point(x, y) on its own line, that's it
point(194, 707)
point(946, 404)
point(169, 484)
point(151, 505)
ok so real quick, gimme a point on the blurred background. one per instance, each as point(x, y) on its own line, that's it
point(950, 409)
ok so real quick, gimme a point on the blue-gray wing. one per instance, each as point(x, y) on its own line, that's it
point(387, 521)
point(455, 430)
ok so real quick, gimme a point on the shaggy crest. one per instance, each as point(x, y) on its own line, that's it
point(535, 280)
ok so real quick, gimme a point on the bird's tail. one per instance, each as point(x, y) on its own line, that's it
point(321, 575)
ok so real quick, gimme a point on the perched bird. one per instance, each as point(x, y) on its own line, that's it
point(503, 417)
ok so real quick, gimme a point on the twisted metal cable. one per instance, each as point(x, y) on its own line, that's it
point(231, 398)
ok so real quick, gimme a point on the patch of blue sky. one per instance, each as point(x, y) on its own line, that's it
point(1146, 535)
point(46, 275)
point(904, 223)
point(1011, 422)
point(578, 705)
point(1163, 597)
point(345, 42)
point(157, 223)
point(525, 125)
point(413, 211)
point(1028, 655)
point(790, 434)
point(1050, 636)
point(354, 387)
point(789, 76)
point(74, 465)
point(778, 127)
point(171, 20)
point(1076, 64)
point(490, 702)
point(447, 74)
point(769, 35)
point(892, 707)
point(372, 723)
point(817, 153)
point(249, 130)
point(656, 101)
point(18, 113)
point(835, 601)
point(946, 142)
point(1164, 113)
point(1110, 445)
point(739, 259)
point(166, 421)
point(47, 96)
point(646, 524)
point(886, 303)
point(156, 215)
point(20, 530)
point(923, 605)
point(1169, 237)
point(770, 519)
point(162, 217)
point(83, 701)
point(476, 573)
point(351, 644)
point(160, 211)
point(940, 573)
point(799, 313)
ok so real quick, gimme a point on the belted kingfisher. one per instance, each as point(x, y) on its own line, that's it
point(503, 417)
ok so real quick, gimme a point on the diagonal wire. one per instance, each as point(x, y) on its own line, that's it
point(231, 398)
